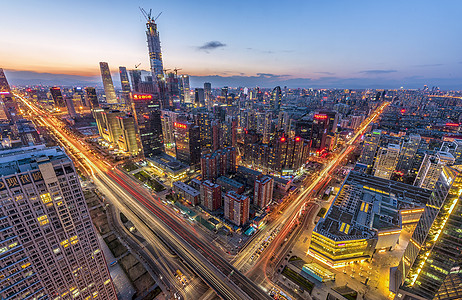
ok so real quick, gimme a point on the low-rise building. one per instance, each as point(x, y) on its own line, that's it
point(166, 165)
point(188, 193)
point(229, 184)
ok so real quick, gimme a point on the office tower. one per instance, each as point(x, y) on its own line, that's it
point(111, 97)
point(125, 85)
point(91, 98)
point(199, 98)
point(57, 97)
point(219, 163)
point(224, 94)
point(108, 124)
point(319, 131)
point(229, 132)
point(217, 135)
point(135, 76)
point(146, 110)
point(205, 125)
point(208, 94)
point(287, 156)
point(187, 143)
point(168, 120)
point(236, 208)
point(173, 87)
point(431, 167)
point(79, 97)
point(49, 246)
point(283, 121)
point(70, 107)
point(367, 215)
point(155, 53)
point(303, 128)
point(210, 195)
point(276, 98)
point(126, 141)
point(267, 130)
point(4, 85)
point(371, 144)
point(409, 148)
point(263, 191)
point(433, 256)
point(185, 89)
point(385, 163)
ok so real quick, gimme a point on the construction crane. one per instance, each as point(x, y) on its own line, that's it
point(165, 70)
point(136, 66)
point(148, 15)
point(176, 71)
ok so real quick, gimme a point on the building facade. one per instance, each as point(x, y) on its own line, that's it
point(236, 208)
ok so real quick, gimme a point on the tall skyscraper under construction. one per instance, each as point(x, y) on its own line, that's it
point(155, 53)
point(107, 82)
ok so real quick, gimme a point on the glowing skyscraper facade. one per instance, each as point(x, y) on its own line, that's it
point(108, 84)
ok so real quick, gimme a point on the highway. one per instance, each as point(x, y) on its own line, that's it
point(140, 207)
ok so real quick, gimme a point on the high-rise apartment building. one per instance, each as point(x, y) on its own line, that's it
point(199, 97)
point(210, 195)
point(236, 208)
point(185, 96)
point(263, 191)
point(385, 163)
point(168, 120)
point(109, 90)
point(208, 94)
point(371, 144)
point(219, 163)
point(48, 245)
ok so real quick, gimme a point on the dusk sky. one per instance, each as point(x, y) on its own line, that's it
point(296, 43)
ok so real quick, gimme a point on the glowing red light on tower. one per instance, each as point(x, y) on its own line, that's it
point(297, 139)
point(403, 111)
point(283, 139)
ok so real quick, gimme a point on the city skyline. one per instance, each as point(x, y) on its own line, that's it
point(316, 45)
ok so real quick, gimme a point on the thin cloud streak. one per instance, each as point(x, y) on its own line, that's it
point(212, 45)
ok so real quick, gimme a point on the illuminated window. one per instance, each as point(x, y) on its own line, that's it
point(43, 220)
point(25, 265)
point(45, 198)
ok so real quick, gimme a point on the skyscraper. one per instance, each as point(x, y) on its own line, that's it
point(4, 86)
point(236, 208)
point(187, 143)
point(431, 167)
point(148, 120)
point(111, 97)
point(49, 245)
point(433, 256)
point(263, 191)
point(135, 76)
point(208, 94)
point(210, 195)
point(185, 96)
point(385, 163)
point(409, 148)
point(91, 97)
point(276, 98)
point(199, 97)
point(155, 53)
point(125, 85)
point(371, 144)
point(70, 107)
point(57, 97)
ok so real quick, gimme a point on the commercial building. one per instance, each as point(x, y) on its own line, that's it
point(409, 148)
point(385, 163)
point(371, 144)
point(146, 109)
point(109, 91)
point(431, 262)
point(367, 214)
point(431, 167)
point(57, 97)
point(276, 98)
point(187, 143)
point(127, 138)
point(91, 97)
point(236, 208)
point(188, 193)
point(185, 96)
point(166, 165)
point(168, 119)
point(263, 191)
point(125, 85)
point(210, 195)
point(48, 244)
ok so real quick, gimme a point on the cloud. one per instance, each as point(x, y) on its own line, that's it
point(325, 73)
point(212, 45)
point(372, 72)
point(269, 75)
point(428, 65)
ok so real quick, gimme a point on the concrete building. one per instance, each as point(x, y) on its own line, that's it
point(188, 193)
point(219, 163)
point(229, 184)
point(431, 168)
point(367, 214)
point(210, 195)
point(263, 191)
point(109, 90)
point(386, 160)
point(236, 208)
point(166, 165)
point(48, 245)
point(371, 144)
point(127, 138)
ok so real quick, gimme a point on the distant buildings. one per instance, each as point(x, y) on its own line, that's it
point(57, 97)
point(111, 97)
point(91, 97)
point(218, 163)
point(236, 208)
point(276, 98)
point(125, 85)
point(49, 245)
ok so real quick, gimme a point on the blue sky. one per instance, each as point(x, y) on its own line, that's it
point(319, 43)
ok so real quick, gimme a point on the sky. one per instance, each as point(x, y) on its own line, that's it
point(306, 43)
